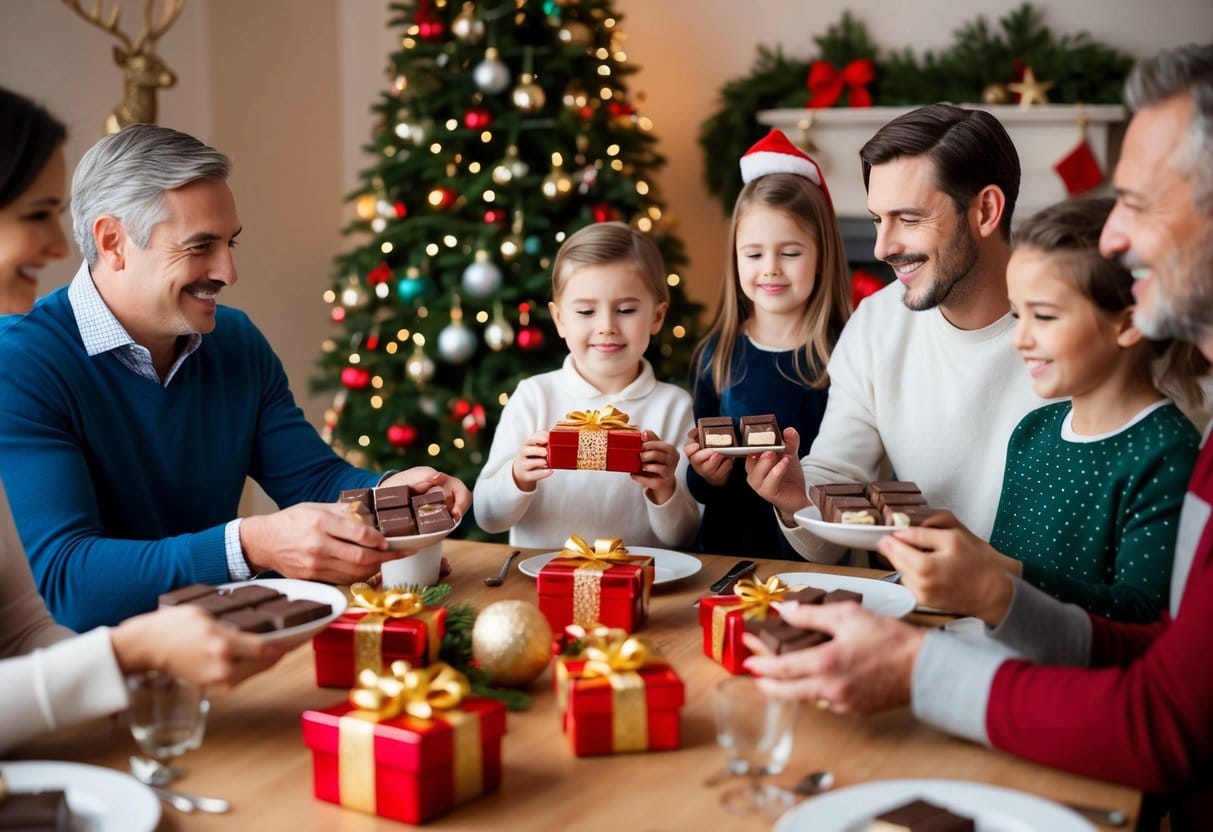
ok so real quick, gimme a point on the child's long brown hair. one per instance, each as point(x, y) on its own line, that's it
point(828, 306)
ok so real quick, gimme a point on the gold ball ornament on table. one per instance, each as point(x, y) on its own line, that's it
point(512, 642)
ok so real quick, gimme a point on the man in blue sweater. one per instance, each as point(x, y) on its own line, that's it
point(133, 406)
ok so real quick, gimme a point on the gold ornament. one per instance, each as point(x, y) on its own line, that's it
point(512, 642)
point(528, 96)
point(466, 26)
point(366, 207)
point(1030, 90)
point(995, 94)
point(575, 33)
point(420, 367)
point(557, 184)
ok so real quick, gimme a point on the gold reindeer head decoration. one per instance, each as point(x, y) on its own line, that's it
point(144, 70)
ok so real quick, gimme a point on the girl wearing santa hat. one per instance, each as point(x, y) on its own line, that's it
point(783, 303)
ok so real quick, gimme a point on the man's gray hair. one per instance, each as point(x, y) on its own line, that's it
point(1187, 69)
point(125, 176)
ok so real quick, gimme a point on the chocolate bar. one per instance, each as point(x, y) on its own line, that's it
point(393, 496)
point(251, 608)
point(218, 604)
point(397, 522)
point(898, 498)
point(759, 430)
point(893, 487)
point(360, 503)
point(920, 816)
point(819, 493)
point(431, 512)
point(808, 595)
point(781, 637)
point(836, 507)
point(914, 515)
point(287, 613)
point(254, 594)
point(36, 811)
point(717, 432)
point(186, 593)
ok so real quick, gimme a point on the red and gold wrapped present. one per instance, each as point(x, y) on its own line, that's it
point(409, 745)
point(599, 584)
point(595, 440)
point(723, 619)
point(379, 628)
point(615, 696)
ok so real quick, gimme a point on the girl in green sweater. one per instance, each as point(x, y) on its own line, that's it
point(1093, 485)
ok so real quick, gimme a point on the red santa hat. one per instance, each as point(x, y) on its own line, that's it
point(776, 154)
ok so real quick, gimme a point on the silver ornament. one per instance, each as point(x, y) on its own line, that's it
point(466, 26)
point(498, 334)
point(456, 343)
point(528, 96)
point(420, 367)
point(481, 278)
point(491, 75)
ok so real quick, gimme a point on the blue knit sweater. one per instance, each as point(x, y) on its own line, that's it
point(121, 487)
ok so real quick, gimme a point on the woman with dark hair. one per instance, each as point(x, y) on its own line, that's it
point(48, 674)
point(33, 181)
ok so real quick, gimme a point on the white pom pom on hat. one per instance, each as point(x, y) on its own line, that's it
point(775, 153)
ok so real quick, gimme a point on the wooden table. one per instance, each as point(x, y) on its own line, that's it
point(253, 754)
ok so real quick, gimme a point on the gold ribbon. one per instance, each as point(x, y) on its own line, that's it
point(754, 599)
point(426, 693)
point(587, 578)
point(592, 427)
point(613, 655)
point(382, 605)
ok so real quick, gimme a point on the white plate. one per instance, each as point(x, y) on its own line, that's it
point(420, 541)
point(851, 535)
point(667, 566)
point(881, 597)
point(748, 450)
point(994, 809)
point(295, 590)
point(101, 799)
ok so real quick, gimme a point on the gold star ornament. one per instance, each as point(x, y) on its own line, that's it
point(1030, 90)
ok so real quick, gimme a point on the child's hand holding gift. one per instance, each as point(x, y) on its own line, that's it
point(658, 462)
point(531, 462)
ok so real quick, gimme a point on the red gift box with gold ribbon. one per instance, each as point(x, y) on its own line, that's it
point(723, 619)
point(595, 440)
point(615, 696)
point(409, 745)
point(599, 584)
point(380, 627)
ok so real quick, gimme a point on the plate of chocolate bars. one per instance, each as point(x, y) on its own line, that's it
point(277, 609)
point(44, 793)
point(929, 804)
point(880, 597)
point(756, 434)
point(858, 516)
point(409, 521)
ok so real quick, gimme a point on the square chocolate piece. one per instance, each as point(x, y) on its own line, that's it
point(819, 493)
point(808, 595)
point(892, 486)
point(920, 816)
point(717, 432)
point(360, 504)
point(253, 594)
point(248, 621)
point(898, 498)
point(218, 604)
point(36, 811)
point(837, 596)
point(395, 496)
point(759, 430)
point(431, 512)
point(781, 637)
point(397, 522)
point(835, 507)
point(913, 515)
point(186, 594)
point(864, 516)
point(287, 613)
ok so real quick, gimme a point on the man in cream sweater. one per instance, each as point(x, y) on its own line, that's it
point(925, 384)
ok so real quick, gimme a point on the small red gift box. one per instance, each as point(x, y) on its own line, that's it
point(595, 440)
point(615, 698)
point(722, 619)
point(382, 628)
point(598, 585)
point(404, 767)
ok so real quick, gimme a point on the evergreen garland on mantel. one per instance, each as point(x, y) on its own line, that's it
point(1080, 69)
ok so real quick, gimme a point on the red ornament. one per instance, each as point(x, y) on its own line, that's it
point(587, 113)
point(474, 421)
point(827, 83)
point(462, 408)
point(380, 274)
point(337, 314)
point(429, 25)
point(864, 284)
point(401, 210)
point(530, 338)
point(604, 213)
point(477, 118)
point(401, 436)
point(495, 216)
point(442, 197)
point(620, 108)
point(356, 378)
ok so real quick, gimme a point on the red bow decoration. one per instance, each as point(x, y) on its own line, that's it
point(826, 83)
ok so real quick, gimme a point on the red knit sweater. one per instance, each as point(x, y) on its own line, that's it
point(1142, 715)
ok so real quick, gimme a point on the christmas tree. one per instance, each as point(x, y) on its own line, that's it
point(506, 126)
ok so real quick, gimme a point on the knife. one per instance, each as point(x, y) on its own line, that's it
point(739, 571)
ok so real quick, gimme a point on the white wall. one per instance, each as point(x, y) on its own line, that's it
point(285, 87)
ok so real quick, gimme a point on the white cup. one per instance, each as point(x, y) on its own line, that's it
point(418, 569)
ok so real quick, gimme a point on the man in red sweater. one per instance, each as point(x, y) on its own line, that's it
point(1132, 703)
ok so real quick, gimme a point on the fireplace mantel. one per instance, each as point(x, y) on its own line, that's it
point(1042, 135)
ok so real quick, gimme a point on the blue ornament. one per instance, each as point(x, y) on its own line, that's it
point(532, 246)
point(412, 288)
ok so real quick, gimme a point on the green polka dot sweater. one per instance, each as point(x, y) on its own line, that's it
point(1093, 519)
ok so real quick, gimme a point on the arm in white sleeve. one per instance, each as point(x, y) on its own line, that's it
point(499, 502)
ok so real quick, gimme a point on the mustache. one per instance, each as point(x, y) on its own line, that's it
point(208, 286)
point(902, 259)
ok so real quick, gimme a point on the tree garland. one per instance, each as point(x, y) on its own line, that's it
point(1080, 69)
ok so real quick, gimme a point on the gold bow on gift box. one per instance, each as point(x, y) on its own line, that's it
point(425, 693)
point(614, 657)
point(754, 599)
point(382, 605)
point(587, 579)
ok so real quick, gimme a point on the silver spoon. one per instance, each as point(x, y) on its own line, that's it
point(152, 772)
point(815, 783)
point(499, 578)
